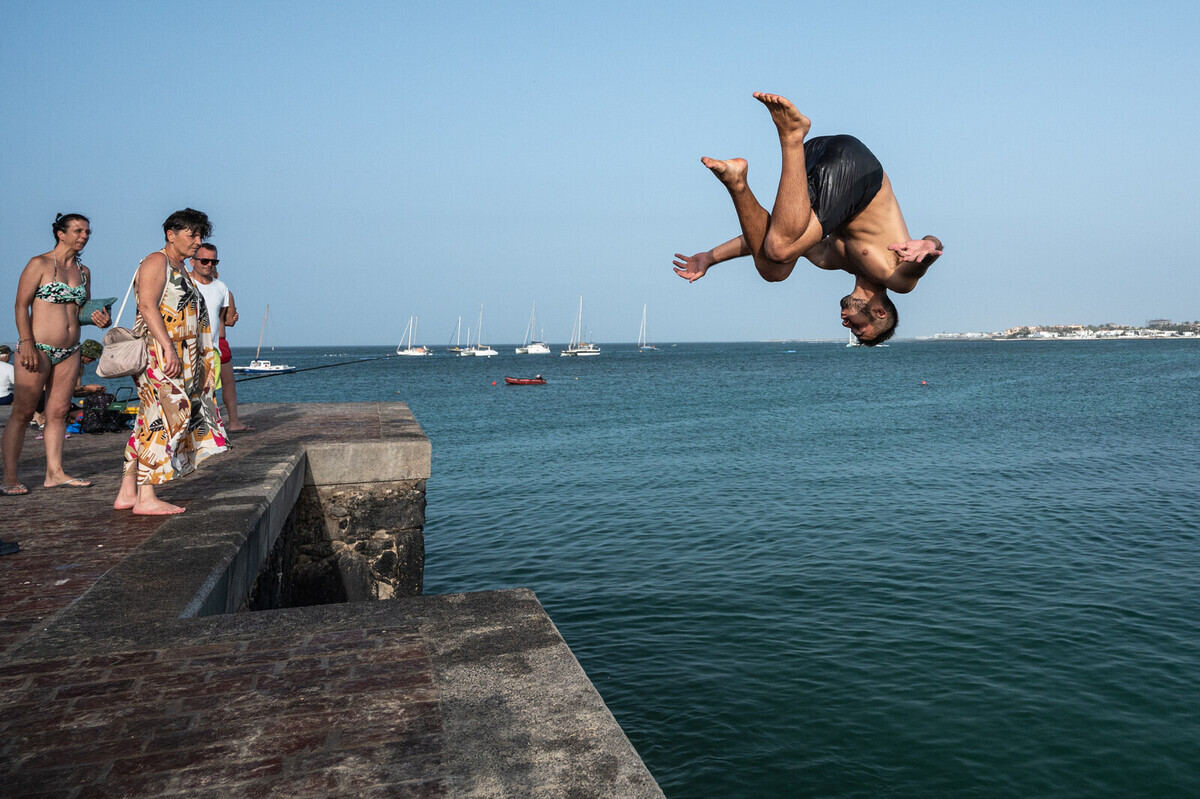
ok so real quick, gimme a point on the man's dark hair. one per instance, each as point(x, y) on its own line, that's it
point(189, 219)
point(893, 317)
point(208, 245)
point(62, 221)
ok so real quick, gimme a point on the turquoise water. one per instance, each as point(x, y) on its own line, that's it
point(937, 569)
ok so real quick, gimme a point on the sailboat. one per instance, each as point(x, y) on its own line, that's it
point(411, 332)
point(854, 342)
point(479, 348)
point(577, 345)
point(263, 367)
point(457, 333)
point(532, 347)
point(642, 345)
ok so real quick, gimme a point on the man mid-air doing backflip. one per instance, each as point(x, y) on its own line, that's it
point(836, 208)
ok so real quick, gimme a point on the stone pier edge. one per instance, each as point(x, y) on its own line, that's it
point(551, 730)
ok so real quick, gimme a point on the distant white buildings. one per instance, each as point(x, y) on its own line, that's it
point(1155, 328)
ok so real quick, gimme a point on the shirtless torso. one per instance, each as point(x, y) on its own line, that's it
point(866, 246)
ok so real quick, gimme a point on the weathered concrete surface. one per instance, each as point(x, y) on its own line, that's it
point(110, 687)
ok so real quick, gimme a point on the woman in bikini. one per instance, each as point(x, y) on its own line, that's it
point(50, 292)
point(177, 425)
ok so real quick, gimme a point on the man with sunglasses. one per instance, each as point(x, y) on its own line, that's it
point(222, 313)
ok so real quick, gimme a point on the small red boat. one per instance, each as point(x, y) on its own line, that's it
point(526, 381)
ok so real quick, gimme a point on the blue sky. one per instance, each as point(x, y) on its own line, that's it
point(367, 161)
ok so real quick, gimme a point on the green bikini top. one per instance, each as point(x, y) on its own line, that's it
point(59, 292)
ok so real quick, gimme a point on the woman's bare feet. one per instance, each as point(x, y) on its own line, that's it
point(791, 124)
point(156, 507)
point(142, 499)
point(128, 495)
point(732, 172)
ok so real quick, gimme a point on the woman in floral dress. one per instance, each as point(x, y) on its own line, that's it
point(178, 425)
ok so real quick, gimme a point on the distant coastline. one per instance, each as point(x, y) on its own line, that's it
point(1154, 329)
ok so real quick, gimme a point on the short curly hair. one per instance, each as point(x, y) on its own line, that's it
point(893, 319)
point(189, 219)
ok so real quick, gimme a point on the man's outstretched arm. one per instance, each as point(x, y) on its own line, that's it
point(916, 258)
point(693, 267)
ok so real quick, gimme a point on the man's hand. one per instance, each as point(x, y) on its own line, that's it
point(692, 268)
point(915, 251)
point(101, 318)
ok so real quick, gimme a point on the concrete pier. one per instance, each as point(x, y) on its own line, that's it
point(132, 665)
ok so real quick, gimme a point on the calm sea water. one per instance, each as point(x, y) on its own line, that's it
point(936, 569)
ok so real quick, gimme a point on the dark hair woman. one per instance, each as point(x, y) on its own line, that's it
point(177, 425)
point(50, 291)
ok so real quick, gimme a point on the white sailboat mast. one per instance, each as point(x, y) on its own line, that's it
point(262, 332)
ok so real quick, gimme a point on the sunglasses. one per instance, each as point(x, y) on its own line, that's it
point(207, 261)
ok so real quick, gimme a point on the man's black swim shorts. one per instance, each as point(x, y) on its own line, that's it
point(843, 177)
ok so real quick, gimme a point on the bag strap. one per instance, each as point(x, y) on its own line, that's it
point(133, 280)
point(117, 321)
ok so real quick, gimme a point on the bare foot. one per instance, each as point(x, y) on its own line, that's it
point(792, 125)
point(156, 507)
point(732, 172)
point(124, 503)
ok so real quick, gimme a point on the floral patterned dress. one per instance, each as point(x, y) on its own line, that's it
point(178, 425)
